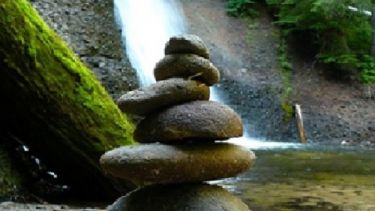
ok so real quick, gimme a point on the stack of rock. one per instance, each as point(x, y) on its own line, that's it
point(179, 133)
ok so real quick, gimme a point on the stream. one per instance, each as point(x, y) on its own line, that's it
point(309, 178)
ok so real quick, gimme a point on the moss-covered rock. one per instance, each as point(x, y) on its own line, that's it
point(80, 24)
point(54, 103)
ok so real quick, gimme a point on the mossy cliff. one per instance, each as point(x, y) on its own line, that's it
point(80, 24)
point(54, 103)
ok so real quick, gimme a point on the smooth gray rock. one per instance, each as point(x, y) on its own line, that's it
point(161, 94)
point(187, 66)
point(184, 197)
point(188, 43)
point(192, 121)
point(169, 164)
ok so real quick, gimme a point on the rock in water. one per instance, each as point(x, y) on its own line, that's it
point(187, 66)
point(189, 197)
point(166, 164)
point(186, 44)
point(197, 120)
point(161, 94)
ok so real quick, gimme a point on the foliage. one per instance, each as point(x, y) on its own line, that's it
point(283, 56)
point(286, 74)
point(367, 67)
point(240, 8)
point(288, 111)
point(343, 36)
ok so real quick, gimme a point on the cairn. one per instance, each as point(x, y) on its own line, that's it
point(178, 136)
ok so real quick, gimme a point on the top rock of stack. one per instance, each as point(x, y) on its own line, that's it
point(186, 44)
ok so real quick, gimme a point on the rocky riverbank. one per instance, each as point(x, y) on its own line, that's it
point(89, 28)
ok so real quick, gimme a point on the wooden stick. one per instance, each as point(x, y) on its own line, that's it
point(301, 129)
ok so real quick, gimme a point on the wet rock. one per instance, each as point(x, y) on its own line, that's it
point(80, 24)
point(187, 66)
point(164, 164)
point(197, 120)
point(186, 44)
point(161, 94)
point(8, 205)
point(197, 197)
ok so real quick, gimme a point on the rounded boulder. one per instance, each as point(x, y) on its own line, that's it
point(187, 66)
point(191, 121)
point(186, 44)
point(162, 94)
point(170, 164)
point(194, 197)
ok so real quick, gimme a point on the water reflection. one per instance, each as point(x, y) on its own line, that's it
point(307, 179)
point(262, 144)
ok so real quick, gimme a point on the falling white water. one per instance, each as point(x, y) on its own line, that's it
point(146, 26)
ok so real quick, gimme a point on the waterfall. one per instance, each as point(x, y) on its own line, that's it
point(146, 26)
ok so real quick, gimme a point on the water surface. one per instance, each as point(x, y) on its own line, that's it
point(308, 178)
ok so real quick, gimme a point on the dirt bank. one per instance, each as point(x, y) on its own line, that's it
point(246, 52)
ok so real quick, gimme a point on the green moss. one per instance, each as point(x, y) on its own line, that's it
point(286, 77)
point(288, 110)
point(83, 93)
point(72, 114)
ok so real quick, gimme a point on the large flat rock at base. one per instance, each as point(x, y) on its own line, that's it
point(185, 197)
point(197, 120)
point(187, 66)
point(188, 43)
point(161, 94)
point(166, 164)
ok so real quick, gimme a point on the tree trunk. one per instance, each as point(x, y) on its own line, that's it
point(54, 104)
